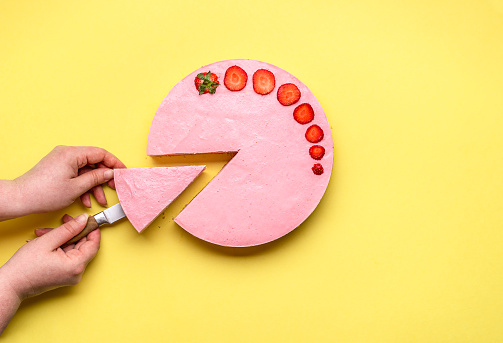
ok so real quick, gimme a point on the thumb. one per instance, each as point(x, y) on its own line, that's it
point(93, 178)
point(62, 234)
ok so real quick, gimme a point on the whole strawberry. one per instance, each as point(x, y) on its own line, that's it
point(317, 169)
point(206, 83)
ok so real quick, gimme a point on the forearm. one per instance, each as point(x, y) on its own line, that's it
point(11, 202)
point(9, 302)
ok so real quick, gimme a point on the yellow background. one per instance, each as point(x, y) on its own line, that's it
point(405, 246)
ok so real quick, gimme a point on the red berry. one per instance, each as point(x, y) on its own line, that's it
point(288, 94)
point(263, 81)
point(317, 169)
point(235, 78)
point(314, 134)
point(303, 113)
point(317, 152)
point(206, 83)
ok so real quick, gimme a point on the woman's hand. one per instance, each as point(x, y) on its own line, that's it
point(65, 174)
point(41, 265)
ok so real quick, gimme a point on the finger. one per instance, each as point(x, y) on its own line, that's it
point(75, 245)
point(99, 195)
point(85, 169)
point(68, 248)
point(41, 232)
point(91, 179)
point(90, 247)
point(110, 183)
point(86, 199)
point(93, 155)
point(97, 191)
point(62, 234)
point(80, 242)
point(66, 218)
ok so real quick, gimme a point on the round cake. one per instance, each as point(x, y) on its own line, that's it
point(281, 137)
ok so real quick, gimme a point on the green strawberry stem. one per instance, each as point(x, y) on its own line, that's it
point(207, 83)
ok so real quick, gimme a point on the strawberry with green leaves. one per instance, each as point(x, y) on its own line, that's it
point(206, 83)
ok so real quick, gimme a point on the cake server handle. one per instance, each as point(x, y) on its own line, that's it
point(108, 216)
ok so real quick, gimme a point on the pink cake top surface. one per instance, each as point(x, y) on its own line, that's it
point(269, 187)
point(145, 192)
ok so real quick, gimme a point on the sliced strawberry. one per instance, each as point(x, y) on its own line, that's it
point(288, 94)
point(317, 169)
point(317, 152)
point(314, 134)
point(263, 81)
point(303, 113)
point(235, 78)
point(206, 83)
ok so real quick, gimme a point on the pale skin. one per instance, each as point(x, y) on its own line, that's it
point(40, 265)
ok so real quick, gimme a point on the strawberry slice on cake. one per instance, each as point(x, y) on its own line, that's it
point(145, 192)
point(275, 180)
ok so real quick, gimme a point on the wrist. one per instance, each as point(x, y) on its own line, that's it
point(13, 282)
point(8, 287)
point(11, 200)
point(9, 300)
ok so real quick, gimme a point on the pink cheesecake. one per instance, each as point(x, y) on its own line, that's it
point(145, 192)
point(283, 161)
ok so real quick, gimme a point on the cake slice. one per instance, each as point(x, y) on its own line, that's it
point(145, 192)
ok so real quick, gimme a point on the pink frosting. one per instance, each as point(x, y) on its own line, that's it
point(268, 188)
point(145, 192)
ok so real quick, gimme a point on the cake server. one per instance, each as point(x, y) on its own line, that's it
point(108, 216)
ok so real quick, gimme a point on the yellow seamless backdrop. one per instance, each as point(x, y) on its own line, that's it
point(404, 247)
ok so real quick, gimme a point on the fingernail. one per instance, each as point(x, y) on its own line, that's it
point(109, 174)
point(82, 219)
